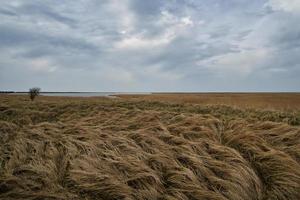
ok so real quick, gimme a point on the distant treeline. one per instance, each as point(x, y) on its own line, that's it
point(7, 91)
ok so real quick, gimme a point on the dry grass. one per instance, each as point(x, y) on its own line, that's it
point(97, 148)
point(277, 101)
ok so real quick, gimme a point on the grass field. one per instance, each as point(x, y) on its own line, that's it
point(157, 147)
point(270, 101)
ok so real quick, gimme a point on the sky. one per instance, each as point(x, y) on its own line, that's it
point(150, 45)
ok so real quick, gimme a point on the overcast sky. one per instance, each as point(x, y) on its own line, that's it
point(150, 45)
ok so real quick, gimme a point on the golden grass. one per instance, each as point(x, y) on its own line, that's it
point(99, 148)
point(277, 101)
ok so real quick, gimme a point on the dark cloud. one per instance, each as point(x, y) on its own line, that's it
point(7, 12)
point(42, 10)
point(13, 36)
point(147, 8)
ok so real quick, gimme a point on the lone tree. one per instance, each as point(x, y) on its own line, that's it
point(33, 92)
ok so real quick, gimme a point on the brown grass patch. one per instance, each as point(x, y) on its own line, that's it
point(97, 148)
point(269, 101)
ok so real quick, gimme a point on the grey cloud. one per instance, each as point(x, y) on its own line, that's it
point(13, 36)
point(146, 8)
point(39, 10)
point(287, 34)
point(80, 40)
point(10, 36)
point(7, 12)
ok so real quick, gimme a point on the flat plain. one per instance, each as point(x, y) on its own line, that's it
point(270, 101)
point(160, 146)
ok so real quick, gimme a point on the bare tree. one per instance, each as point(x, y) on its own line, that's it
point(33, 92)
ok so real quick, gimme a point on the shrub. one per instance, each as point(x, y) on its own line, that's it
point(33, 92)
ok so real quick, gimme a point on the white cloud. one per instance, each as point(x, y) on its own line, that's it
point(277, 70)
point(15, 3)
point(123, 32)
point(123, 13)
point(242, 63)
point(42, 65)
point(171, 26)
point(140, 42)
point(169, 19)
point(157, 72)
point(285, 5)
point(187, 21)
point(118, 75)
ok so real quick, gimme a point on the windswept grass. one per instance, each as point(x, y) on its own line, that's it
point(98, 148)
point(270, 101)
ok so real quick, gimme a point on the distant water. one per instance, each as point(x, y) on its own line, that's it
point(80, 94)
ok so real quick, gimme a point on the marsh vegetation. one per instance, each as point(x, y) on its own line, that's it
point(139, 148)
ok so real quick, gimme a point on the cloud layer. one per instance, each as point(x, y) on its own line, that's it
point(134, 45)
